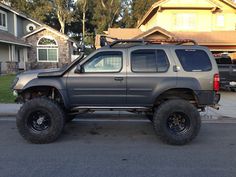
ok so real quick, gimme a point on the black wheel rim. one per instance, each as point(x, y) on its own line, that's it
point(178, 123)
point(39, 121)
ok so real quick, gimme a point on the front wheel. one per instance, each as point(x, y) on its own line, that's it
point(177, 122)
point(40, 121)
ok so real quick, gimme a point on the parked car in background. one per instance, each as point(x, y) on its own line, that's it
point(227, 71)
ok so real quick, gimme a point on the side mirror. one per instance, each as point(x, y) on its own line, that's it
point(78, 69)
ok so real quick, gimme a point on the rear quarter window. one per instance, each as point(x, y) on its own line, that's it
point(194, 60)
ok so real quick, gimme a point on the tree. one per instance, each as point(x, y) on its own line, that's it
point(133, 11)
point(83, 5)
point(127, 20)
point(37, 9)
point(106, 13)
point(140, 8)
point(64, 12)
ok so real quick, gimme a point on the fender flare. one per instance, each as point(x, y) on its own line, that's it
point(56, 83)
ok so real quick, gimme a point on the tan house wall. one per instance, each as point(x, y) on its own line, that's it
point(64, 51)
point(206, 20)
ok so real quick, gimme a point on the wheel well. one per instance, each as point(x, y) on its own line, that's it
point(180, 93)
point(42, 91)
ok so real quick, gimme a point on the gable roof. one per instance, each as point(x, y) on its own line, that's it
point(46, 27)
point(154, 30)
point(123, 33)
point(152, 11)
point(42, 26)
point(210, 38)
point(213, 38)
point(9, 8)
point(230, 3)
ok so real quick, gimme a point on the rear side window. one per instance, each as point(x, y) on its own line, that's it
point(194, 60)
point(149, 61)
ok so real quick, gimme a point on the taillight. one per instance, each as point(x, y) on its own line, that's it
point(216, 82)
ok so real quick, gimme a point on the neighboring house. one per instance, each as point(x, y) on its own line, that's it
point(28, 44)
point(211, 23)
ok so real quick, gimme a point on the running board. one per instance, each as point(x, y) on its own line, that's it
point(97, 108)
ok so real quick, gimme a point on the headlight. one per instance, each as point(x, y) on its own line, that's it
point(14, 82)
point(15, 93)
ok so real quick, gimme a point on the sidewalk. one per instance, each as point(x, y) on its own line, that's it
point(9, 110)
point(227, 109)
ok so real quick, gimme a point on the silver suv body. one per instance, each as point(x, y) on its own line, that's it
point(138, 77)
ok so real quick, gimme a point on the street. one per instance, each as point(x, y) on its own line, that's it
point(118, 148)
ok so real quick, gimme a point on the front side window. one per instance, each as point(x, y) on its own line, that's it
point(105, 62)
point(3, 20)
point(149, 61)
point(194, 60)
point(47, 50)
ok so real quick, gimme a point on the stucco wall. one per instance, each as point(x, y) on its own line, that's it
point(206, 20)
point(64, 56)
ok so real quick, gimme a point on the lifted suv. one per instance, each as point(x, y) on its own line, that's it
point(170, 83)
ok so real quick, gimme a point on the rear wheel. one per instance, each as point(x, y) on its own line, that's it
point(177, 122)
point(40, 121)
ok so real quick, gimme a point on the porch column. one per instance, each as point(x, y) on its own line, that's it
point(25, 53)
point(13, 53)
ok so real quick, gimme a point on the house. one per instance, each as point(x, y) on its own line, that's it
point(28, 44)
point(211, 23)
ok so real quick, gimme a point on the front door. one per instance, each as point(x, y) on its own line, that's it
point(20, 58)
point(102, 81)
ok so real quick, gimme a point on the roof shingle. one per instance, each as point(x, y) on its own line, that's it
point(9, 38)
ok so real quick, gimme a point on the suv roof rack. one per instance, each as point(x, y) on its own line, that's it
point(159, 41)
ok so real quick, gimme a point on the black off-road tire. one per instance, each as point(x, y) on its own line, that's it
point(173, 110)
point(51, 125)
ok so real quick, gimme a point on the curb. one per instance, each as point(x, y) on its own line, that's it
point(124, 116)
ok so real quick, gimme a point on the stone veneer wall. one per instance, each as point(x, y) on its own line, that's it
point(12, 67)
point(64, 54)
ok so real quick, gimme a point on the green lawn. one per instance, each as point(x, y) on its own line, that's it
point(5, 90)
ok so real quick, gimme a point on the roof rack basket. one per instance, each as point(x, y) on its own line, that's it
point(161, 41)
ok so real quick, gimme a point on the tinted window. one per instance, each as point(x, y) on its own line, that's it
point(224, 60)
point(143, 61)
point(162, 61)
point(106, 62)
point(194, 60)
point(149, 61)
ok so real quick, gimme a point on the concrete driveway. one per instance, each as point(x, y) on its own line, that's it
point(227, 107)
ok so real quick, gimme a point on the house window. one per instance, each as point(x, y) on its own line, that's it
point(220, 21)
point(47, 50)
point(3, 20)
point(185, 21)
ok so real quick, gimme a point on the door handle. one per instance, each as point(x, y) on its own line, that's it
point(118, 78)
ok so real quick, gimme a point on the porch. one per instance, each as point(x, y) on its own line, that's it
point(12, 58)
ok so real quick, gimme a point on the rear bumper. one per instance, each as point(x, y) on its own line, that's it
point(207, 98)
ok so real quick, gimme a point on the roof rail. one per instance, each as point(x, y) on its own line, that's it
point(158, 41)
point(141, 41)
point(173, 41)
